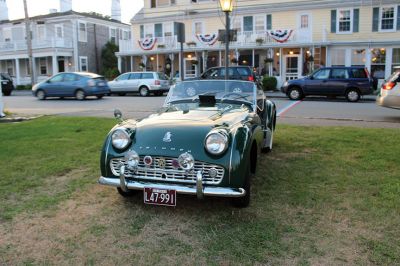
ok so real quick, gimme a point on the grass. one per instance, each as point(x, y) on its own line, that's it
point(325, 195)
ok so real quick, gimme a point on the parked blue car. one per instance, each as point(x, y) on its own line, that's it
point(72, 84)
point(350, 82)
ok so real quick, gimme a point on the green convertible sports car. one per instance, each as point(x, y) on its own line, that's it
point(205, 141)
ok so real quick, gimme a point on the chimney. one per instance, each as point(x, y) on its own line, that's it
point(116, 10)
point(3, 10)
point(65, 5)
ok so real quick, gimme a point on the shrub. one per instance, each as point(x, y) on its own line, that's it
point(269, 83)
point(23, 87)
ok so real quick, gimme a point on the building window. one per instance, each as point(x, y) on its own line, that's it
point(158, 30)
point(198, 27)
point(43, 66)
point(82, 32)
point(148, 31)
point(387, 21)
point(304, 22)
point(395, 58)
point(41, 32)
point(10, 67)
point(248, 23)
point(59, 31)
point(126, 35)
point(344, 20)
point(338, 57)
point(237, 23)
point(358, 57)
point(168, 29)
point(113, 35)
point(7, 34)
point(161, 3)
point(83, 63)
point(378, 62)
point(141, 31)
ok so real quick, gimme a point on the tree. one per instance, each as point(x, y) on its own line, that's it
point(109, 60)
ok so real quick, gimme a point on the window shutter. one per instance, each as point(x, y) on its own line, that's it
point(269, 22)
point(398, 18)
point(375, 19)
point(333, 21)
point(356, 19)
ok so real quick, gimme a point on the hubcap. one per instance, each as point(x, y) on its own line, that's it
point(143, 91)
point(294, 94)
point(80, 95)
point(353, 95)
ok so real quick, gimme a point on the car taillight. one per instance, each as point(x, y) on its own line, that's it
point(157, 82)
point(91, 83)
point(251, 78)
point(388, 85)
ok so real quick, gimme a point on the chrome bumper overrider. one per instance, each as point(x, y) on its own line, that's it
point(199, 189)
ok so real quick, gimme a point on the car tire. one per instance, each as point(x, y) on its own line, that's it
point(121, 94)
point(99, 96)
point(80, 95)
point(244, 201)
point(295, 94)
point(144, 91)
point(126, 194)
point(41, 95)
point(353, 95)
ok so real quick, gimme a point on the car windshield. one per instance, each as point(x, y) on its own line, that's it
point(234, 92)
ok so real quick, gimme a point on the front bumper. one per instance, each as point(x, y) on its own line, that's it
point(199, 189)
point(389, 101)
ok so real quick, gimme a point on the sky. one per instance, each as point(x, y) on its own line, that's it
point(40, 7)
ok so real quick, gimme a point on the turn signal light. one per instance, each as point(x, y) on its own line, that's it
point(157, 82)
point(251, 78)
point(388, 85)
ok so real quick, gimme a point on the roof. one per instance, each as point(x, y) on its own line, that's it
point(67, 13)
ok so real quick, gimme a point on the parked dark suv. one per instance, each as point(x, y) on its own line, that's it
point(235, 72)
point(351, 82)
point(7, 85)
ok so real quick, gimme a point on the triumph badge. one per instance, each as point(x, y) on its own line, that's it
point(167, 137)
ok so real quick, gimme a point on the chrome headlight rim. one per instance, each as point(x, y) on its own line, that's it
point(186, 161)
point(123, 141)
point(223, 135)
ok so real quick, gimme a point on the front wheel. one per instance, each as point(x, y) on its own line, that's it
point(244, 201)
point(352, 95)
point(144, 91)
point(41, 95)
point(80, 95)
point(295, 94)
point(99, 96)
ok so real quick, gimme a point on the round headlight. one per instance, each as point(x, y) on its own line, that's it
point(132, 159)
point(186, 161)
point(216, 142)
point(120, 139)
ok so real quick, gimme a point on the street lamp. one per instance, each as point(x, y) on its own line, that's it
point(227, 7)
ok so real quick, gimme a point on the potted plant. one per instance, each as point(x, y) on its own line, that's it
point(259, 41)
point(234, 61)
point(190, 44)
point(142, 65)
point(268, 60)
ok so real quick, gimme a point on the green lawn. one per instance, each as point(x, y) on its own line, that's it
point(325, 195)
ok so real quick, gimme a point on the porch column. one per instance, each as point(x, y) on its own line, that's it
point(55, 64)
point(131, 63)
point(388, 64)
point(281, 74)
point(220, 58)
point(347, 60)
point(301, 60)
point(119, 64)
point(253, 57)
point(328, 57)
point(368, 59)
point(33, 70)
point(17, 72)
point(203, 56)
point(157, 62)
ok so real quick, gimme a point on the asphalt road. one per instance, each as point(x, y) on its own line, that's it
point(311, 111)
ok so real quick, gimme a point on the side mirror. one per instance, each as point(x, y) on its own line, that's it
point(310, 77)
point(118, 115)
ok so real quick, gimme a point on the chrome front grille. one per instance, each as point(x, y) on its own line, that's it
point(168, 172)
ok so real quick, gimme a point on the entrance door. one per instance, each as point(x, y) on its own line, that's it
point(190, 68)
point(291, 67)
point(61, 65)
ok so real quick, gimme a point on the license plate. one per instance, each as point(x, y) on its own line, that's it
point(156, 196)
point(101, 83)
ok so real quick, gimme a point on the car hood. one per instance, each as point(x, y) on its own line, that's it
point(185, 130)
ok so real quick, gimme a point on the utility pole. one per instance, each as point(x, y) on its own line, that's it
point(29, 43)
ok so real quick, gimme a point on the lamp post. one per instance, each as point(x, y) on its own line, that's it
point(227, 7)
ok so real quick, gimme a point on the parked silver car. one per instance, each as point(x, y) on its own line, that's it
point(389, 95)
point(142, 82)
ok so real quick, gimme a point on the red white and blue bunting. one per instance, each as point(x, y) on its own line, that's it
point(280, 35)
point(208, 39)
point(148, 43)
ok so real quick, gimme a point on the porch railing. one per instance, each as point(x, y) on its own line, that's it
point(36, 44)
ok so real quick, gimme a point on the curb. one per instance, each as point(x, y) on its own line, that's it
point(16, 119)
